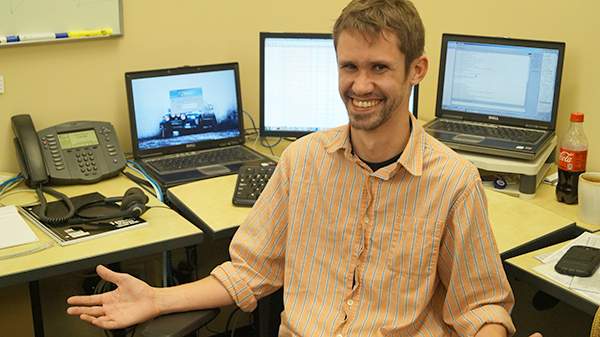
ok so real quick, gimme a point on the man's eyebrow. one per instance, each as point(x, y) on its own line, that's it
point(344, 62)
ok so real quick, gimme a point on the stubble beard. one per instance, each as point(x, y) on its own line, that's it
point(371, 121)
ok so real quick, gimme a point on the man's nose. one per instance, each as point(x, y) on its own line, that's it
point(363, 83)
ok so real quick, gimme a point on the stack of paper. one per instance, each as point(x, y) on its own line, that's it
point(14, 230)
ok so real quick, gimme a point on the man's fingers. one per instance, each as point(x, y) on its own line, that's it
point(91, 311)
point(85, 300)
point(108, 274)
point(101, 322)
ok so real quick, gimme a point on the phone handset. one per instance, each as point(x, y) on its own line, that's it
point(29, 151)
point(80, 152)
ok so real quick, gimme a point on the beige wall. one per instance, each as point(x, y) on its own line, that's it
point(63, 81)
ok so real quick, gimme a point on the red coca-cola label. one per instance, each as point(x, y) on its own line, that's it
point(573, 161)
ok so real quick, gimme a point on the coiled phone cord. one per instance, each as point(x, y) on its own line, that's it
point(42, 211)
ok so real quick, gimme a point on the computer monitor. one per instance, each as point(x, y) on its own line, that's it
point(299, 85)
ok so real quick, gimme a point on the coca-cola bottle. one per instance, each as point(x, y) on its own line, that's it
point(572, 160)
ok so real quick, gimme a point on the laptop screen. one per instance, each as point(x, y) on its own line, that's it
point(181, 109)
point(502, 80)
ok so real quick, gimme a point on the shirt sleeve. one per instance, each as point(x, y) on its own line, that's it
point(478, 291)
point(257, 249)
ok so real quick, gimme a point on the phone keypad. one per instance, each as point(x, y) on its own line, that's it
point(86, 160)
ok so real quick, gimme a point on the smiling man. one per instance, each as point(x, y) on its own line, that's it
point(372, 229)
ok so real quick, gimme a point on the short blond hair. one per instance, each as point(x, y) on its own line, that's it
point(371, 17)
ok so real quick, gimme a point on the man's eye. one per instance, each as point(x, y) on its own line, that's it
point(380, 67)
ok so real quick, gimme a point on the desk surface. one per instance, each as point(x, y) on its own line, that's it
point(166, 230)
point(208, 204)
point(521, 267)
point(546, 197)
point(516, 223)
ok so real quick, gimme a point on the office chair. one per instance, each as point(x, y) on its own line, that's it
point(179, 324)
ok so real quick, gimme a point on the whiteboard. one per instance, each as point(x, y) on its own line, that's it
point(22, 17)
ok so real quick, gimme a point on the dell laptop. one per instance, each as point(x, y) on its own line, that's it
point(497, 96)
point(187, 123)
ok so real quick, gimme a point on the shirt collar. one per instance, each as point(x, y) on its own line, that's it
point(411, 158)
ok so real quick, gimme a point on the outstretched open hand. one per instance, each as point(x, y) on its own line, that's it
point(131, 303)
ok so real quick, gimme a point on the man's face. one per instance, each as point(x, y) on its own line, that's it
point(372, 80)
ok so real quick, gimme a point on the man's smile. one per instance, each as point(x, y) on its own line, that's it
point(365, 103)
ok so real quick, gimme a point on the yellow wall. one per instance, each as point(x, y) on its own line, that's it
point(63, 81)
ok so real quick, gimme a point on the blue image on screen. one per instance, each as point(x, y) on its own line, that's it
point(186, 108)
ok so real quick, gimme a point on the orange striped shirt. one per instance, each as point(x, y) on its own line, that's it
point(404, 251)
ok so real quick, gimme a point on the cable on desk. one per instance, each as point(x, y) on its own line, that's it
point(9, 185)
point(140, 170)
point(138, 180)
point(11, 180)
point(28, 251)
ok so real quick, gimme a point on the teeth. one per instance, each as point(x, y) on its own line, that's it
point(364, 104)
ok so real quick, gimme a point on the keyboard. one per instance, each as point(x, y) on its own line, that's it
point(226, 155)
point(490, 131)
point(250, 183)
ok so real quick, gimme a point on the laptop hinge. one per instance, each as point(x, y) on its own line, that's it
point(536, 127)
point(150, 155)
point(460, 118)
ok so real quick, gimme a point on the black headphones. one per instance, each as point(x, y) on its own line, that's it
point(133, 205)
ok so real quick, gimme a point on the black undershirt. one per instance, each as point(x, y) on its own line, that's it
point(377, 166)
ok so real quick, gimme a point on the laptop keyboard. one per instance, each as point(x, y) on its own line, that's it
point(490, 131)
point(227, 155)
point(250, 184)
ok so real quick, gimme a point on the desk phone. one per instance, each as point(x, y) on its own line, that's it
point(81, 152)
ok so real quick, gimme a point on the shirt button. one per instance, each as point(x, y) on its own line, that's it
point(340, 335)
point(372, 179)
point(350, 302)
point(366, 220)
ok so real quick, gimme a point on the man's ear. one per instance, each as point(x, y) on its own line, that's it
point(419, 69)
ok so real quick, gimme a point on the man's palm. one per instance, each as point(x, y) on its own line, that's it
point(131, 303)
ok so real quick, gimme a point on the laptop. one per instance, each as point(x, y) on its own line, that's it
point(497, 96)
point(187, 123)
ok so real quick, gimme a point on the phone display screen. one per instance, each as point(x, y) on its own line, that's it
point(78, 139)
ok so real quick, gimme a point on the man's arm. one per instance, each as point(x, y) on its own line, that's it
point(478, 292)
point(134, 301)
point(492, 330)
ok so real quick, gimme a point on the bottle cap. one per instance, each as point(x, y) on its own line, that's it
point(577, 117)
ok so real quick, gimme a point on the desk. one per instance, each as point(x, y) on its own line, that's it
point(166, 230)
point(521, 267)
point(545, 198)
point(520, 226)
point(207, 203)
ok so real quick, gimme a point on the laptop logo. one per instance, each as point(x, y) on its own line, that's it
point(494, 118)
point(190, 145)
